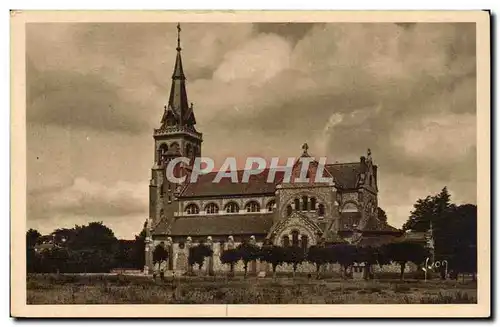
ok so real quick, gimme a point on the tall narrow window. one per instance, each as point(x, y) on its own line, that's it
point(304, 203)
point(295, 238)
point(313, 204)
point(286, 241)
point(162, 151)
point(289, 210)
point(297, 204)
point(321, 210)
point(270, 205)
point(304, 241)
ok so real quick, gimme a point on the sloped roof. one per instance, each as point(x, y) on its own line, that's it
point(209, 225)
point(257, 184)
point(332, 237)
point(376, 241)
point(348, 219)
point(345, 175)
point(375, 224)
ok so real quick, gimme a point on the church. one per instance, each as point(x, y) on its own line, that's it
point(224, 214)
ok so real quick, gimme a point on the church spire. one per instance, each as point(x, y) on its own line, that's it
point(178, 71)
point(178, 112)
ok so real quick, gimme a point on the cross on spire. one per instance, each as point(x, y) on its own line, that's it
point(178, 37)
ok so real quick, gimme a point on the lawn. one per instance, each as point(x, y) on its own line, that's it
point(122, 289)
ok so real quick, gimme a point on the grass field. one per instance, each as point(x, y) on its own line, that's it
point(122, 289)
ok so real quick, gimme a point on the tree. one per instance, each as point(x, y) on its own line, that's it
point(404, 252)
point(63, 236)
point(55, 260)
point(381, 215)
point(294, 255)
point(230, 257)
point(32, 260)
point(273, 254)
point(463, 246)
point(197, 255)
point(32, 236)
point(95, 235)
point(138, 254)
point(318, 255)
point(369, 256)
point(343, 254)
point(160, 256)
point(248, 252)
point(422, 215)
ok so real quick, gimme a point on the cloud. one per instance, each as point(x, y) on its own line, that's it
point(77, 100)
point(114, 77)
point(257, 61)
point(91, 199)
point(449, 137)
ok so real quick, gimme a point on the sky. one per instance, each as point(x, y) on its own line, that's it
point(95, 92)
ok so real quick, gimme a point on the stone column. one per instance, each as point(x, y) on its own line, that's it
point(230, 243)
point(210, 263)
point(189, 244)
point(253, 264)
point(148, 251)
point(148, 248)
point(169, 246)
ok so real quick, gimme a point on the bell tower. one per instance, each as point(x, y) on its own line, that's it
point(176, 137)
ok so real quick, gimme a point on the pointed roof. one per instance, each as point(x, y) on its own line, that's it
point(178, 100)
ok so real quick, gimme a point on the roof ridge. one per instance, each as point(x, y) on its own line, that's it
point(342, 163)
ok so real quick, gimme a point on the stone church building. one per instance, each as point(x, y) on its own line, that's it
point(224, 214)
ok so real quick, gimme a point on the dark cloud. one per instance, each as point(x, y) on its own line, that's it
point(78, 100)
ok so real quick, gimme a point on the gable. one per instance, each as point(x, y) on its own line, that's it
point(296, 219)
point(345, 175)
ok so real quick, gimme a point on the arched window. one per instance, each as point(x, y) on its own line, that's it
point(349, 207)
point(174, 147)
point(321, 210)
point(297, 204)
point(189, 151)
point(289, 210)
point(196, 151)
point(295, 238)
point(232, 207)
point(211, 209)
point(313, 204)
point(270, 205)
point(304, 203)
point(303, 241)
point(170, 119)
point(162, 150)
point(252, 206)
point(192, 209)
point(286, 241)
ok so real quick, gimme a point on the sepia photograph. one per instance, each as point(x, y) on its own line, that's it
point(279, 158)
